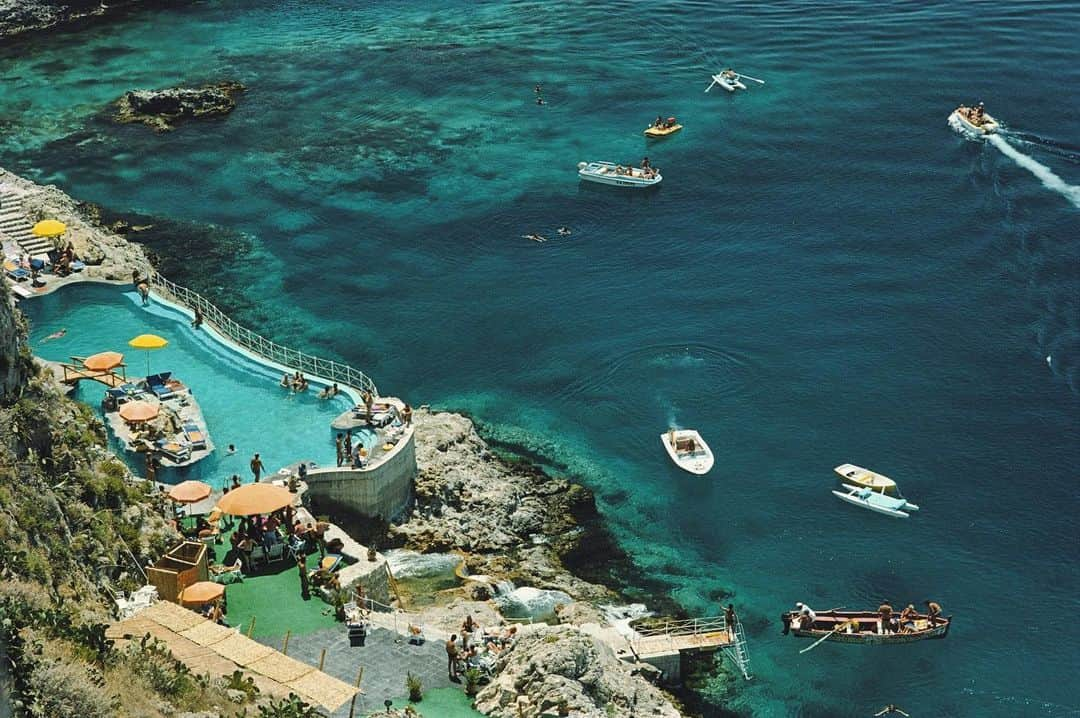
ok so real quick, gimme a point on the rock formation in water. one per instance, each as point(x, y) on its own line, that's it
point(514, 521)
point(562, 666)
point(163, 109)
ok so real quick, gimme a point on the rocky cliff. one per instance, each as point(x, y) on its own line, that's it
point(513, 520)
point(562, 666)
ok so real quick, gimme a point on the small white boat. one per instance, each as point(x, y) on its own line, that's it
point(875, 501)
point(618, 175)
point(961, 119)
point(865, 478)
point(731, 80)
point(688, 450)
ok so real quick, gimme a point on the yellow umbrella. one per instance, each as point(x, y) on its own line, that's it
point(148, 342)
point(202, 592)
point(252, 499)
point(49, 228)
point(103, 361)
point(189, 492)
point(135, 411)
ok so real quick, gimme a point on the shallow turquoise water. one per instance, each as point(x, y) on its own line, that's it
point(240, 400)
point(828, 274)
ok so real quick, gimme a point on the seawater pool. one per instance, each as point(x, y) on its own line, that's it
point(240, 398)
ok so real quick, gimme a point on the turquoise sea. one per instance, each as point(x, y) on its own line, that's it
point(828, 274)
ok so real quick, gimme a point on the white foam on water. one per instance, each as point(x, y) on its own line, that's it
point(1044, 173)
point(534, 603)
point(410, 564)
point(620, 617)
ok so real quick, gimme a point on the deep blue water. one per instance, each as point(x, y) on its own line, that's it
point(829, 273)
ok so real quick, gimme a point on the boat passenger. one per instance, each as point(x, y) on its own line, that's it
point(885, 613)
point(933, 611)
point(806, 616)
point(907, 618)
point(645, 163)
point(659, 121)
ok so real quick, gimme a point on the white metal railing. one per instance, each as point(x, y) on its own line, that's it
point(735, 650)
point(291, 358)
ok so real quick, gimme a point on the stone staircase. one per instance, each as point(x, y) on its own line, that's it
point(15, 225)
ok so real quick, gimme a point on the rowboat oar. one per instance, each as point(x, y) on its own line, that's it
point(747, 77)
point(821, 640)
point(710, 86)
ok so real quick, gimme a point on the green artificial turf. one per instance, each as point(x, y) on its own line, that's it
point(439, 703)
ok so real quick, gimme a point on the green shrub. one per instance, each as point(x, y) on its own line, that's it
point(414, 686)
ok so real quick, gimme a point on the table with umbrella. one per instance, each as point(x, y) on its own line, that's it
point(138, 412)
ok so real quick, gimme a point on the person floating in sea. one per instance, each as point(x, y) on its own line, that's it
point(564, 231)
point(59, 334)
point(534, 237)
point(890, 709)
point(540, 101)
point(232, 449)
point(538, 89)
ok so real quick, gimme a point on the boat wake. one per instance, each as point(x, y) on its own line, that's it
point(1045, 174)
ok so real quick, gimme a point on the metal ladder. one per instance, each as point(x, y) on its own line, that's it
point(738, 652)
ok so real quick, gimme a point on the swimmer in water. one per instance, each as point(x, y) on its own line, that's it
point(56, 335)
point(534, 237)
point(564, 231)
point(539, 100)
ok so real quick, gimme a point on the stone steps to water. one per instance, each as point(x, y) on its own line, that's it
point(15, 225)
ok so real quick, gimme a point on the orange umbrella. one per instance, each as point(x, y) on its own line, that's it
point(202, 592)
point(252, 499)
point(188, 492)
point(135, 411)
point(103, 361)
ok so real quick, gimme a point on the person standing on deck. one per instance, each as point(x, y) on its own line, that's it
point(407, 415)
point(338, 448)
point(348, 445)
point(885, 612)
point(256, 467)
point(730, 619)
point(368, 401)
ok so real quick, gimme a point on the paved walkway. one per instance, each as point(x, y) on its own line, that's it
point(385, 656)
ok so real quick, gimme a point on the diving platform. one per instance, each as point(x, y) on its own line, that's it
point(75, 372)
point(665, 645)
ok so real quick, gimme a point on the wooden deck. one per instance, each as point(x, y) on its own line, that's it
point(74, 374)
point(662, 645)
point(206, 647)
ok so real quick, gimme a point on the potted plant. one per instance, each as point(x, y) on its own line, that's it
point(371, 553)
point(415, 687)
point(472, 681)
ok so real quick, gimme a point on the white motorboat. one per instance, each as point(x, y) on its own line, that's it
point(865, 478)
point(688, 450)
point(875, 501)
point(618, 175)
point(731, 80)
point(962, 119)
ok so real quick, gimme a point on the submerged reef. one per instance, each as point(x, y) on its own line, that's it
point(163, 109)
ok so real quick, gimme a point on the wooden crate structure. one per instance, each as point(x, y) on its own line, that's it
point(180, 567)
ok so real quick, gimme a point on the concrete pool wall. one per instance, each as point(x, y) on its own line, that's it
point(383, 490)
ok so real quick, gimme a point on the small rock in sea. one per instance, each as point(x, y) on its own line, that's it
point(162, 109)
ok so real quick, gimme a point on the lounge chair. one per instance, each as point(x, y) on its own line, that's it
point(279, 551)
point(331, 562)
point(158, 383)
point(195, 436)
point(258, 555)
point(17, 273)
point(174, 450)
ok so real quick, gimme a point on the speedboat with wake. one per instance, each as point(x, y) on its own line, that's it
point(731, 80)
point(688, 450)
point(974, 120)
point(618, 175)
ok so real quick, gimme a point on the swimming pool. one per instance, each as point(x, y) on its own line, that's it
point(240, 398)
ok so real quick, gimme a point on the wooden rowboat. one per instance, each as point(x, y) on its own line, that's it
point(865, 627)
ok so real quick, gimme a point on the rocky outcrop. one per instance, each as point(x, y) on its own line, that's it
point(513, 520)
point(109, 257)
point(562, 666)
point(23, 16)
point(163, 109)
point(16, 364)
